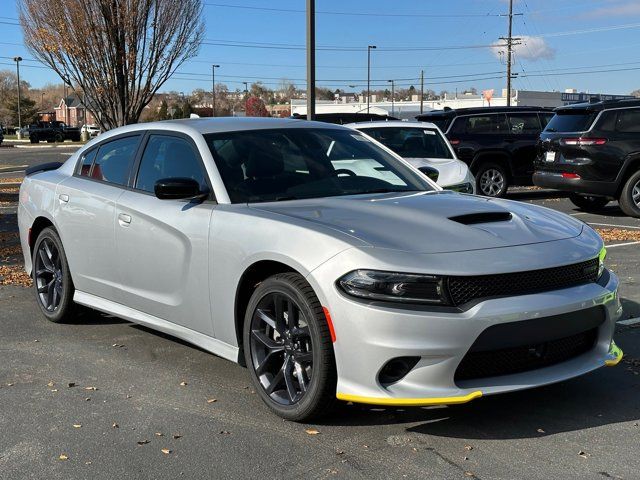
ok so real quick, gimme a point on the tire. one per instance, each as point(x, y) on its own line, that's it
point(630, 196)
point(588, 203)
point(492, 180)
point(58, 138)
point(34, 139)
point(304, 349)
point(52, 283)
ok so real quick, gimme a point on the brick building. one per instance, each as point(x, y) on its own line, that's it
point(72, 111)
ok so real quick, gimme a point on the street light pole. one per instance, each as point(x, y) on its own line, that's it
point(18, 60)
point(213, 89)
point(369, 48)
point(311, 59)
point(393, 94)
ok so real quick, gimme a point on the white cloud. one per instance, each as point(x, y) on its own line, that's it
point(528, 48)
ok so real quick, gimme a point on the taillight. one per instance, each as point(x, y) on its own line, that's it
point(582, 142)
point(454, 142)
point(571, 176)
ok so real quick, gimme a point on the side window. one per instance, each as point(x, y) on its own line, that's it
point(486, 124)
point(84, 167)
point(169, 157)
point(113, 160)
point(628, 121)
point(607, 122)
point(524, 123)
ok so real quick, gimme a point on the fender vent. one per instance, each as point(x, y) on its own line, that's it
point(484, 217)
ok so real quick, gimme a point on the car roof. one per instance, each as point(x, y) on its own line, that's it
point(393, 123)
point(601, 105)
point(219, 124)
point(479, 110)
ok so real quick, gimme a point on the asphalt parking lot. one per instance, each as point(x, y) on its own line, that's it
point(104, 398)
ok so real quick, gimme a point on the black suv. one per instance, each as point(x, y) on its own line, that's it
point(498, 143)
point(593, 151)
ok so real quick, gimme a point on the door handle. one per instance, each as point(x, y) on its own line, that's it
point(124, 220)
point(64, 198)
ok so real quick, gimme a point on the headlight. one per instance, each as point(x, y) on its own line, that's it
point(394, 287)
point(601, 256)
point(461, 187)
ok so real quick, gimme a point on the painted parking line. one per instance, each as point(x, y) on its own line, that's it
point(614, 226)
point(622, 244)
point(12, 168)
point(630, 321)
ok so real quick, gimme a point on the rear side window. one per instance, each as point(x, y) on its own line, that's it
point(628, 121)
point(84, 169)
point(485, 124)
point(169, 157)
point(113, 160)
point(524, 123)
point(545, 118)
point(571, 121)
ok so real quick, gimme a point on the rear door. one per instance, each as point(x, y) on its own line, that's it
point(472, 134)
point(86, 215)
point(524, 129)
point(162, 245)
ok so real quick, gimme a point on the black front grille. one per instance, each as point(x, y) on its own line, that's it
point(508, 361)
point(466, 289)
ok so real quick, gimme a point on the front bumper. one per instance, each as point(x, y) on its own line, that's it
point(369, 335)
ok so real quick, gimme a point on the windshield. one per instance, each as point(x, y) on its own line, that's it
point(571, 121)
point(412, 142)
point(294, 163)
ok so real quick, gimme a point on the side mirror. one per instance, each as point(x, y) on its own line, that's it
point(177, 188)
point(430, 172)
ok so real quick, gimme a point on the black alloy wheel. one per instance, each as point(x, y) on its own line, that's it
point(51, 277)
point(630, 196)
point(288, 348)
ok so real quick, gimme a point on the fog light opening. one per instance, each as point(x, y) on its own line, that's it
point(396, 369)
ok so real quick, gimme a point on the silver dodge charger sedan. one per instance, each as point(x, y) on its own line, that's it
point(321, 260)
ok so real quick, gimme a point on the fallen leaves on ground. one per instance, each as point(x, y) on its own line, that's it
point(183, 384)
point(14, 275)
point(63, 456)
point(11, 180)
point(77, 425)
point(176, 436)
point(8, 236)
point(312, 431)
point(619, 234)
point(583, 454)
point(166, 451)
point(10, 251)
point(143, 442)
point(212, 400)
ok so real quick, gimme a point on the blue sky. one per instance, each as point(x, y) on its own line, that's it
point(561, 41)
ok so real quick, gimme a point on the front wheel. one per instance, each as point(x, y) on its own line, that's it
point(630, 196)
point(52, 282)
point(588, 203)
point(288, 348)
point(492, 180)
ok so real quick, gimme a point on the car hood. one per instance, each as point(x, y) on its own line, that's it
point(432, 222)
point(450, 170)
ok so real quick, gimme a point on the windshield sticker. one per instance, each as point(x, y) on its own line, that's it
point(360, 138)
point(429, 132)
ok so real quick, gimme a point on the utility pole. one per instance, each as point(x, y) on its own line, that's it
point(393, 94)
point(511, 41)
point(311, 59)
point(18, 60)
point(369, 48)
point(213, 89)
point(421, 91)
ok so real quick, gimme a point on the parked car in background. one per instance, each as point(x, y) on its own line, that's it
point(343, 118)
point(593, 151)
point(25, 131)
point(498, 143)
point(246, 237)
point(425, 147)
point(92, 130)
point(53, 132)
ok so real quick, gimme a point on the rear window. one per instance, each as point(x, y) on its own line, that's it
point(412, 142)
point(571, 121)
point(441, 122)
point(483, 124)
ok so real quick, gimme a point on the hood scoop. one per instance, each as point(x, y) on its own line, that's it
point(482, 217)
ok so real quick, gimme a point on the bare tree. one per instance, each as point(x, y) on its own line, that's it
point(119, 52)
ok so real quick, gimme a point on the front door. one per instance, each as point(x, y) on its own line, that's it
point(162, 245)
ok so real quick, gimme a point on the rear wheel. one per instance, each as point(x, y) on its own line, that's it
point(34, 138)
point(492, 180)
point(58, 138)
point(630, 196)
point(288, 348)
point(52, 282)
point(588, 203)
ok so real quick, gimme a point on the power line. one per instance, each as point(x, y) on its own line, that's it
point(355, 14)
